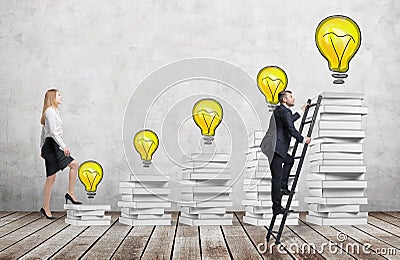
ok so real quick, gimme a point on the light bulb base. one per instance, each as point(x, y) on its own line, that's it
point(91, 195)
point(146, 163)
point(271, 107)
point(208, 140)
point(339, 78)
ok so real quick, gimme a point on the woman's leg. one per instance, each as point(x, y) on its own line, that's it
point(72, 178)
point(48, 186)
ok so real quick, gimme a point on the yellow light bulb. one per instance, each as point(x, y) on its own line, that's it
point(90, 173)
point(271, 80)
point(207, 114)
point(338, 38)
point(146, 143)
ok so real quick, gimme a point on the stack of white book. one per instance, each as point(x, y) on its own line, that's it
point(205, 190)
point(337, 181)
point(87, 215)
point(144, 199)
point(257, 188)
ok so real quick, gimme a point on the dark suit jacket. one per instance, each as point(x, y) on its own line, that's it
point(281, 129)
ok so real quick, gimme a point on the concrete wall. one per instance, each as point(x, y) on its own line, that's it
point(97, 53)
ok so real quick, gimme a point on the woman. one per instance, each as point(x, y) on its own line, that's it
point(54, 151)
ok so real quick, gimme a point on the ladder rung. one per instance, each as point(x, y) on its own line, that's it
point(292, 175)
point(308, 121)
point(312, 105)
point(297, 157)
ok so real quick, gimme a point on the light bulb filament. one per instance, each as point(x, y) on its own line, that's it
point(91, 172)
point(147, 147)
point(269, 87)
point(204, 112)
point(333, 45)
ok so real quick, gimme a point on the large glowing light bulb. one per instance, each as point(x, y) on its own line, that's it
point(146, 143)
point(271, 80)
point(90, 173)
point(338, 38)
point(207, 114)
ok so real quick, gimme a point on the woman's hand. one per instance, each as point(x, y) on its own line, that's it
point(67, 152)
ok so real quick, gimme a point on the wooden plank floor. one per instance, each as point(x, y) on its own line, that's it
point(25, 235)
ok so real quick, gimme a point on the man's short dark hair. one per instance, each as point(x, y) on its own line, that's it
point(282, 94)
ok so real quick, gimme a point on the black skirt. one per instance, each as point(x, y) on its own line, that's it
point(54, 157)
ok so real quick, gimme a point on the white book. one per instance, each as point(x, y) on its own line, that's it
point(205, 222)
point(209, 165)
point(257, 188)
point(206, 170)
point(251, 149)
point(338, 214)
point(87, 217)
point(338, 133)
point(82, 207)
point(209, 210)
point(207, 157)
point(206, 176)
point(254, 173)
point(147, 204)
point(338, 168)
point(335, 221)
point(257, 181)
point(256, 156)
point(207, 216)
point(258, 195)
point(145, 222)
point(336, 147)
point(337, 184)
point(146, 216)
point(257, 163)
point(267, 203)
point(256, 137)
point(335, 156)
point(210, 182)
point(144, 198)
point(79, 213)
point(334, 208)
point(135, 184)
point(331, 125)
point(207, 204)
point(335, 176)
point(204, 196)
point(331, 109)
point(267, 222)
point(270, 215)
point(338, 192)
point(147, 190)
point(337, 162)
point(133, 211)
point(340, 95)
point(342, 102)
point(337, 140)
point(208, 190)
point(335, 201)
point(148, 178)
point(337, 117)
point(75, 222)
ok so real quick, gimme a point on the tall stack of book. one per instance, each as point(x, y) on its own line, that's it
point(87, 215)
point(144, 199)
point(205, 190)
point(257, 188)
point(336, 181)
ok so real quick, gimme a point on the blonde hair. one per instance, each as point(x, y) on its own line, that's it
point(49, 101)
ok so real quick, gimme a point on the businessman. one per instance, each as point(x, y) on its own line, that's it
point(275, 145)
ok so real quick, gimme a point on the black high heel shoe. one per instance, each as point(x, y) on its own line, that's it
point(43, 213)
point(68, 197)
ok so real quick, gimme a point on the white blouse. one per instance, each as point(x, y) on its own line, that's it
point(52, 127)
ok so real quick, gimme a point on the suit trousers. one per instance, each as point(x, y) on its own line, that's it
point(280, 177)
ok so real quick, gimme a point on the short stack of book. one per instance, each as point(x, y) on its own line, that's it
point(336, 181)
point(205, 190)
point(144, 200)
point(257, 188)
point(87, 215)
